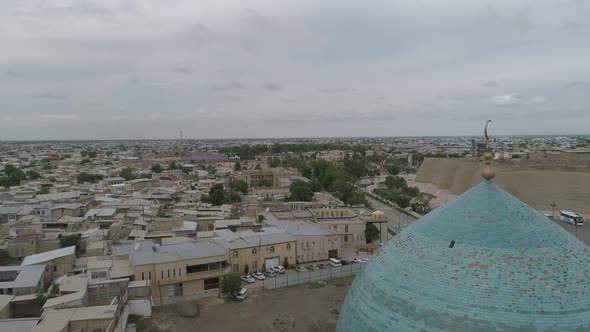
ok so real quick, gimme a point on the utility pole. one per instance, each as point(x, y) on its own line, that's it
point(553, 205)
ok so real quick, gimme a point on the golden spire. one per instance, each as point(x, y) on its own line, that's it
point(488, 173)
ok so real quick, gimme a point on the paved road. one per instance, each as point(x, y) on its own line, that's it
point(581, 232)
point(396, 220)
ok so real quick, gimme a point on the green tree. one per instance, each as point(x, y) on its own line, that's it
point(230, 285)
point(241, 186)
point(402, 201)
point(205, 198)
point(411, 191)
point(217, 194)
point(315, 185)
point(33, 175)
point(85, 161)
point(300, 191)
point(274, 162)
point(173, 165)
point(156, 168)
point(286, 263)
point(233, 197)
point(246, 269)
point(371, 233)
point(393, 169)
point(237, 167)
point(70, 240)
point(127, 173)
point(395, 182)
point(85, 177)
point(43, 191)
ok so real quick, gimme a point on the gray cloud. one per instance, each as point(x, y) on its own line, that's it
point(183, 70)
point(271, 87)
point(335, 90)
point(441, 67)
point(578, 84)
point(49, 95)
point(506, 100)
point(233, 85)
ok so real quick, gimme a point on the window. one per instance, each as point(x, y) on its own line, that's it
point(346, 228)
point(345, 238)
point(173, 272)
point(272, 248)
point(235, 268)
point(254, 265)
point(235, 254)
point(162, 274)
point(168, 273)
point(254, 251)
point(288, 246)
point(205, 267)
point(142, 276)
point(149, 276)
point(179, 273)
point(55, 269)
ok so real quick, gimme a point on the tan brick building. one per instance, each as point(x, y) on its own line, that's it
point(176, 270)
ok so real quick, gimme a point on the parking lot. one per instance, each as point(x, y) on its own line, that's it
point(292, 277)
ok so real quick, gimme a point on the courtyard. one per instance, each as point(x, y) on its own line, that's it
point(309, 307)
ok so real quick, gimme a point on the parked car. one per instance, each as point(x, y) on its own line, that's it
point(278, 269)
point(335, 262)
point(247, 278)
point(358, 260)
point(313, 267)
point(345, 262)
point(241, 295)
point(323, 266)
point(270, 274)
point(300, 269)
point(258, 275)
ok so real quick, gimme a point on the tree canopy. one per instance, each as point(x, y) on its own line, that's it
point(230, 285)
point(157, 168)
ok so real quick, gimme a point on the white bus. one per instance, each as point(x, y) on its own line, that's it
point(571, 218)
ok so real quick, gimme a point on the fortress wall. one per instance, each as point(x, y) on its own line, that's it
point(570, 190)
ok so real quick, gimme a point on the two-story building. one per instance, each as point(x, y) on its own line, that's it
point(176, 270)
point(257, 250)
point(313, 242)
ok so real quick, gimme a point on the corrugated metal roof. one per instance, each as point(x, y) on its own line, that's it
point(144, 254)
point(49, 255)
point(28, 276)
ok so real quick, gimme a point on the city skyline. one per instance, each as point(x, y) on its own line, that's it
point(250, 69)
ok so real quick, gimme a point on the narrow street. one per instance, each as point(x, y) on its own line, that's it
point(396, 220)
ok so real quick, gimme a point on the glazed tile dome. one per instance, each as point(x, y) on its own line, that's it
point(510, 269)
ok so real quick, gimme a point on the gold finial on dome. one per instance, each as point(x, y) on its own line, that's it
point(488, 173)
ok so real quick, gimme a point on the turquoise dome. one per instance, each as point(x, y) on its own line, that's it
point(510, 269)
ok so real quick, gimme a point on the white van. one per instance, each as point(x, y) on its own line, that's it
point(241, 295)
point(334, 262)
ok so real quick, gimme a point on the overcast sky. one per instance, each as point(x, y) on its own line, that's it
point(147, 69)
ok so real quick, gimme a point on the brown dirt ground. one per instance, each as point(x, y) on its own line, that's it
point(300, 308)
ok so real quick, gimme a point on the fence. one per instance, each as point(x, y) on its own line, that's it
point(292, 278)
